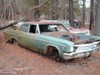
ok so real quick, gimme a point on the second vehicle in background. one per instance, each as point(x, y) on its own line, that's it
point(75, 29)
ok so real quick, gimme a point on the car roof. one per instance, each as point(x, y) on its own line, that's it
point(42, 22)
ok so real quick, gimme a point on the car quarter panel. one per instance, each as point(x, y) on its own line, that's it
point(19, 36)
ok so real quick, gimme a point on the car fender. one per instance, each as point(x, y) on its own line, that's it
point(55, 46)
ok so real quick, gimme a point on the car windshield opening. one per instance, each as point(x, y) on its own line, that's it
point(51, 28)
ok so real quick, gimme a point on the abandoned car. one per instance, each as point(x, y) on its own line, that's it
point(53, 39)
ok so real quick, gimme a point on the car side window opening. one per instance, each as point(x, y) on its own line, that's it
point(32, 29)
point(44, 28)
point(25, 28)
point(51, 28)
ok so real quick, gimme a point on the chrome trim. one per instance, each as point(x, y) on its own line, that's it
point(83, 50)
point(68, 56)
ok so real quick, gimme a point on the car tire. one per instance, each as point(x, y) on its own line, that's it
point(58, 58)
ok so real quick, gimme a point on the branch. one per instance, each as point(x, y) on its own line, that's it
point(11, 24)
point(36, 7)
point(21, 18)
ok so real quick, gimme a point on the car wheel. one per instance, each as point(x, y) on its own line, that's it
point(14, 42)
point(58, 58)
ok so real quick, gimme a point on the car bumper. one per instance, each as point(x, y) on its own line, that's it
point(87, 50)
point(68, 56)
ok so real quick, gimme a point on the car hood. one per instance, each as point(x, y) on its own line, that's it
point(64, 35)
point(57, 34)
point(75, 38)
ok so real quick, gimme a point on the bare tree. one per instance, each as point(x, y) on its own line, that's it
point(1, 6)
point(37, 13)
point(54, 9)
point(97, 26)
point(62, 9)
point(92, 16)
point(83, 21)
point(71, 12)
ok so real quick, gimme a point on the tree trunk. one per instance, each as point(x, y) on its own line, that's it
point(91, 27)
point(83, 22)
point(97, 26)
point(37, 13)
point(54, 9)
point(71, 12)
point(1, 8)
point(62, 6)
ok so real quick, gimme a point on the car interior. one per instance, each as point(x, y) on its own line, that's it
point(32, 29)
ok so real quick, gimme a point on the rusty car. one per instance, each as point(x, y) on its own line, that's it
point(53, 39)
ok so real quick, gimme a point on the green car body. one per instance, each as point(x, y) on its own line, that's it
point(44, 42)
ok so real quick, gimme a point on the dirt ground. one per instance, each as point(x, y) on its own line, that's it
point(15, 60)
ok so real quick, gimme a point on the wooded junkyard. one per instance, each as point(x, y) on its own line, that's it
point(78, 17)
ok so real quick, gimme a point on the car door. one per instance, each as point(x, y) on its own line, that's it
point(32, 38)
point(22, 34)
